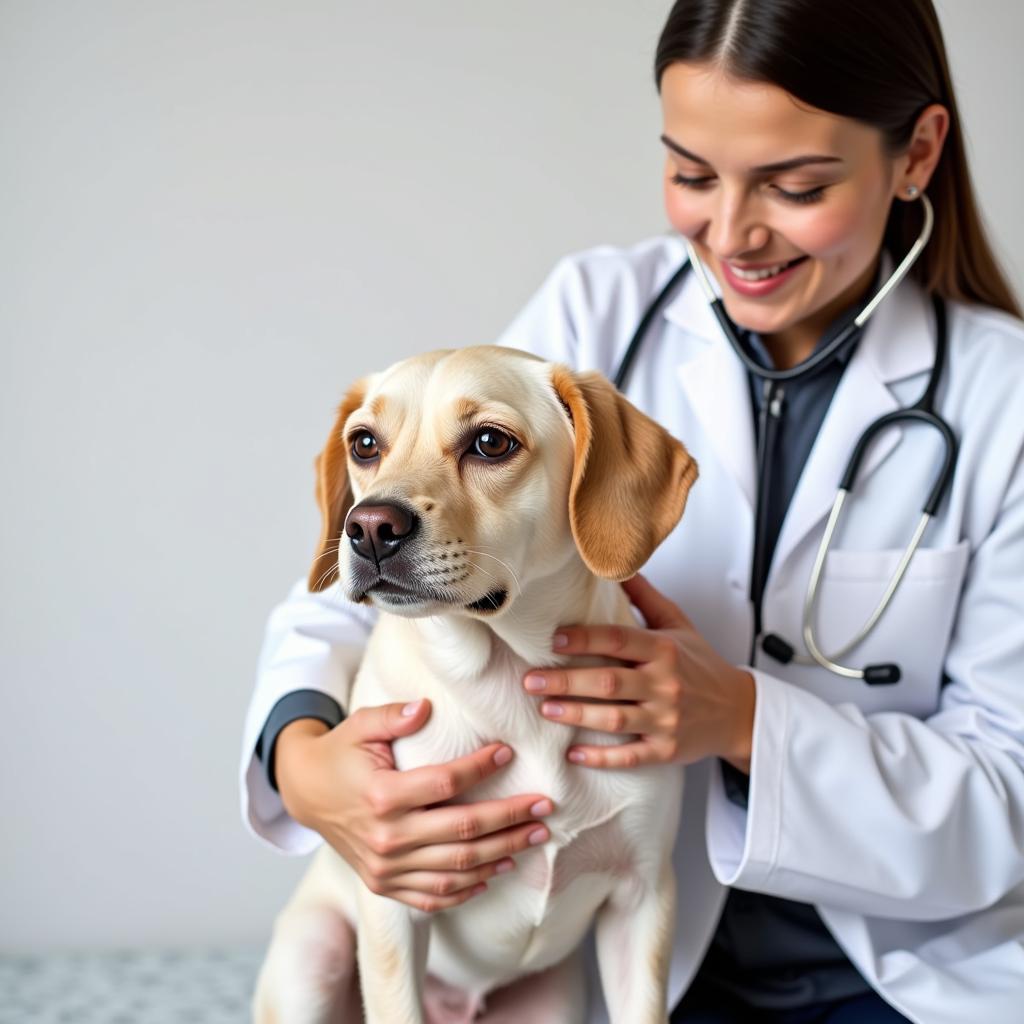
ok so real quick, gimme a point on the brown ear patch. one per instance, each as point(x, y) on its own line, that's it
point(630, 477)
point(333, 493)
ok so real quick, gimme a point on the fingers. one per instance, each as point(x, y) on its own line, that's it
point(388, 721)
point(626, 643)
point(603, 682)
point(432, 784)
point(448, 883)
point(448, 873)
point(626, 755)
point(473, 834)
point(604, 716)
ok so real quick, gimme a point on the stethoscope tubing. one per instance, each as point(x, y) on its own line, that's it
point(921, 412)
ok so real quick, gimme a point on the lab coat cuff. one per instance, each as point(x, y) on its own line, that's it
point(302, 663)
point(290, 708)
point(743, 844)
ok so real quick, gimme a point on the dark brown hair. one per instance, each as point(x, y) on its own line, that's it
point(880, 62)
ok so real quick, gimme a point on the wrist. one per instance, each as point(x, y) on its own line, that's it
point(295, 744)
point(741, 744)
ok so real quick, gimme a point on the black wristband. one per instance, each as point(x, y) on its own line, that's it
point(290, 708)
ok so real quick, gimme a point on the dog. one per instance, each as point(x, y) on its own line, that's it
point(479, 498)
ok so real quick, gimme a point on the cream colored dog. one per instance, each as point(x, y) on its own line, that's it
point(479, 498)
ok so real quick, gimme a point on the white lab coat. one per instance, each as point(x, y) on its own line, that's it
point(897, 810)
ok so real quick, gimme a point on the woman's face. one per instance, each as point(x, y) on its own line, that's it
point(786, 204)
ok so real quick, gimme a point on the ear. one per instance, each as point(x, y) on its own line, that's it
point(333, 493)
point(630, 477)
point(922, 155)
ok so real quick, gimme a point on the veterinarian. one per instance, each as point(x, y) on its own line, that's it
point(851, 849)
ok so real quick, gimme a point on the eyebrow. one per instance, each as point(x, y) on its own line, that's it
point(781, 165)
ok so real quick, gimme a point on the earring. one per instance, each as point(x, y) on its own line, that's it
point(913, 191)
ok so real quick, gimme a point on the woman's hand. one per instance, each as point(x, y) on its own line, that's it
point(674, 692)
point(343, 784)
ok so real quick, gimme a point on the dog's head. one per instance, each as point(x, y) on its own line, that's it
point(453, 478)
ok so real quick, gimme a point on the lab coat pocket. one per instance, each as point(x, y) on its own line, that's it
point(913, 631)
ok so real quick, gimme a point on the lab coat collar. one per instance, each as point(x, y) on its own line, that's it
point(715, 384)
point(898, 342)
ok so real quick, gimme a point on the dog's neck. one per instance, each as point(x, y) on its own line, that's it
point(569, 595)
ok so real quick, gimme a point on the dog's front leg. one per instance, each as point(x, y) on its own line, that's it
point(635, 928)
point(392, 953)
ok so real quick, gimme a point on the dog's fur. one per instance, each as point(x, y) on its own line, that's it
point(530, 542)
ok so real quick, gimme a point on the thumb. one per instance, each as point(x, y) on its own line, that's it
point(389, 721)
point(658, 611)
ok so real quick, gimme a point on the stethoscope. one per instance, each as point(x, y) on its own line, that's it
point(922, 411)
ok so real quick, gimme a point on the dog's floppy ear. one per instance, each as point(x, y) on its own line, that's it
point(630, 477)
point(333, 493)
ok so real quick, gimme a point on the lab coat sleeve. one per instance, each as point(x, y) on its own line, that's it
point(313, 641)
point(887, 815)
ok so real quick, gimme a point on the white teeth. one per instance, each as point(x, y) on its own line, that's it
point(759, 275)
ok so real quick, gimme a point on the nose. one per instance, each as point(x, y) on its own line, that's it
point(734, 230)
point(376, 532)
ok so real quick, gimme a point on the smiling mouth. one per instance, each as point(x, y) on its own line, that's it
point(763, 273)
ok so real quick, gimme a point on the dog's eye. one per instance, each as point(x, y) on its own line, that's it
point(492, 444)
point(364, 446)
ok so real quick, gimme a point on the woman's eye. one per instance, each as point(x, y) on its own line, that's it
point(364, 446)
point(686, 182)
point(811, 195)
point(492, 444)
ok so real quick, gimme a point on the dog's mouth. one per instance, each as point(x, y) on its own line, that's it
point(491, 602)
point(398, 594)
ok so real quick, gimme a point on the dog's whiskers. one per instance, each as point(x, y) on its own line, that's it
point(323, 576)
point(475, 551)
point(324, 554)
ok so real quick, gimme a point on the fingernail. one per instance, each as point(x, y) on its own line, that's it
point(540, 808)
point(503, 755)
point(411, 709)
point(478, 888)
point(577, 756)
point(504, 867)
point(560, 640)
point(538, 835)
point(554, 710)
point(535, 682)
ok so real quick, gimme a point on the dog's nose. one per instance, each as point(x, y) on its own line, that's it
point(377, 531)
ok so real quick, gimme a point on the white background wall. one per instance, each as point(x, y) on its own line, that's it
point(214, 216)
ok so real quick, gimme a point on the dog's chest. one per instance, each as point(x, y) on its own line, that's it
point(593, 810)
point(596, 812)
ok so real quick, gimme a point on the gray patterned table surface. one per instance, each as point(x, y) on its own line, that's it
point(186, 987)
